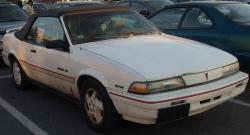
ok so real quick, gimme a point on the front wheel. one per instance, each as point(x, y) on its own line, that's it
point(19, 77)
point(98, 107)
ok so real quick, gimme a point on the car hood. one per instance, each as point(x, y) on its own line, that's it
point(161, 56)
point(10, 25)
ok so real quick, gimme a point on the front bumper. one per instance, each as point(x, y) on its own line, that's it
point(148, 109)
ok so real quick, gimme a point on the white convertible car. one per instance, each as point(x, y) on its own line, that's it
point(120, 66)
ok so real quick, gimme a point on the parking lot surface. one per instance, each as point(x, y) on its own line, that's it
point(37, 111)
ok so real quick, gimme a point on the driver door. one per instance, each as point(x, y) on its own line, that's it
point(58, 59)
point(54, 64)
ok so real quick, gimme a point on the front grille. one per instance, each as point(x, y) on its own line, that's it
point(202, 77)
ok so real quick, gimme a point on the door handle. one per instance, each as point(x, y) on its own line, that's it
point(61, 69)
point(33, 51)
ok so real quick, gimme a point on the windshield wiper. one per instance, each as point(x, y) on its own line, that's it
point(108, 37)
point(127, 35)
point(134, 33)
point(154, 32)
point(142, 33)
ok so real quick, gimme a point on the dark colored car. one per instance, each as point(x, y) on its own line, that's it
point(225, 25)
point(77, 4)
point(180, 1)
point(11, 16)
point(145, 7)
point(40, 7)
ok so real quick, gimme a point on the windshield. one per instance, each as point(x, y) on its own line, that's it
point(158, 4)
point(10, 13)
point(239, 13)
point(101, 26)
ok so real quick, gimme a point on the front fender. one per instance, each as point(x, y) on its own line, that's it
point(111, 74)
point(94, 74)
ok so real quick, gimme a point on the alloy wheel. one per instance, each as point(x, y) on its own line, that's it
point(94, 106)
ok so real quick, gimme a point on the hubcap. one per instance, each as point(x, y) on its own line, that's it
point(94, 106)
point(17, 73)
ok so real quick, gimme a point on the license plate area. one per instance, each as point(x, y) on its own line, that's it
point(173, 113)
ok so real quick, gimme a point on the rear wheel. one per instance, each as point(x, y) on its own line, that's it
point(19, 77)
point(98, 107)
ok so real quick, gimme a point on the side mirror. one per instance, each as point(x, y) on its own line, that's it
point(57, 44)
point(145, 13)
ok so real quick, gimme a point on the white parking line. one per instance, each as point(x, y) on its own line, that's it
point(240, 102)
point(22, 119)
point(7, 76)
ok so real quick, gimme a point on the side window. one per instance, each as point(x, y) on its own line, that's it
point(137, 6)
point(168, 19)
point(196, 18)
point(125, 4)
point(44, 30)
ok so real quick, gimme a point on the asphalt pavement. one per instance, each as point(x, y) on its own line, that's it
point(37, 111)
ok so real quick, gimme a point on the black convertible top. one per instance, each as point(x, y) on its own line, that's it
point(75, 10)
point(21, 34)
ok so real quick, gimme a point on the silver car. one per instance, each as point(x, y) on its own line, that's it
point(11, 16)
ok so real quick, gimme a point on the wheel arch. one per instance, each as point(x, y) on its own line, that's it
point(11, 56)
point(112, 117)
point(89, 73)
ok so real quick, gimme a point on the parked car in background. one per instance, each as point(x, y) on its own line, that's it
point(11, 16)
point(180, 1)
point(118, 65)
point(145, 7)
point(225, 25)
point(77, 4)
point(40, 7)
point(113, 1)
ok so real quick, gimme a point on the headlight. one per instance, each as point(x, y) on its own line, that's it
point(230, 69)
point(157, 86)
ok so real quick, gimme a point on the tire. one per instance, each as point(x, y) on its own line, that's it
point(98, 108)
point(20, 79)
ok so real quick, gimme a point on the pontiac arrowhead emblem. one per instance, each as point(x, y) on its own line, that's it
point(206, 74)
